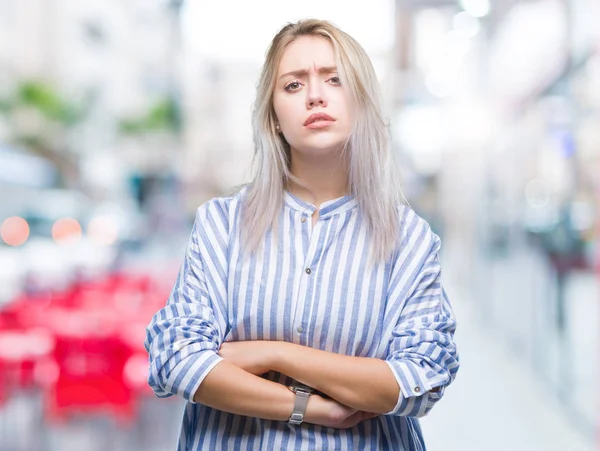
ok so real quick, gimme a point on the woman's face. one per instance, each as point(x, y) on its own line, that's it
point(309, 101)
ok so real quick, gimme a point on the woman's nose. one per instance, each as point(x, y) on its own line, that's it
point(317, 101)
point(315, 96)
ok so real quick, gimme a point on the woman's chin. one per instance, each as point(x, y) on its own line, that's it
point(319, 147)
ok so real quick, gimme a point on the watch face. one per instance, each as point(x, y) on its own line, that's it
point(301, 388)
point(303, 391)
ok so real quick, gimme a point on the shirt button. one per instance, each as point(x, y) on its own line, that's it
point(307, 270)
point(303, 219)
point(417, 389)
point(300, 330)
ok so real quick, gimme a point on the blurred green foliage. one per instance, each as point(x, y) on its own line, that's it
point(50, 138)
point(46, 99)
point(162, 116)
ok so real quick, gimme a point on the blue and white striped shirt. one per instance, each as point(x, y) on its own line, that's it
point(396, 311)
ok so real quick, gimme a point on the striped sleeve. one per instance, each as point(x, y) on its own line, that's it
point(422, 354)
point(184, 337)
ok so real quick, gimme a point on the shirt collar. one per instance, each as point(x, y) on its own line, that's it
point(329, 208)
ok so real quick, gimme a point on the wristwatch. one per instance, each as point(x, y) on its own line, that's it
point(302, 392)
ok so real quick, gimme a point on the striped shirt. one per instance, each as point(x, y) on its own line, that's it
point(312, 286)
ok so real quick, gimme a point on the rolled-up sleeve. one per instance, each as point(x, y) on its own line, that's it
point(422, 354)
point(184, 337)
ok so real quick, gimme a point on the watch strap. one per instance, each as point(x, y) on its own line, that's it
point(300, 403)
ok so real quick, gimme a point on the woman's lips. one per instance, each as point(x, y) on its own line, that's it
point(318, 120)
point(321, 123)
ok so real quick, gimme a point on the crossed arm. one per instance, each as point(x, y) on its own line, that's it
point(234, 386)
point(362, 383)
point(189, 358)
point(361, 387)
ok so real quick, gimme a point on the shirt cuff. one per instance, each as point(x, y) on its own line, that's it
point(190, 372)
point(413, 382)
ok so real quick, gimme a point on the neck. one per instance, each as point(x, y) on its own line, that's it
point(324, 178)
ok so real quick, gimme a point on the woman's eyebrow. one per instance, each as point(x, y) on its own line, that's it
point(300, 72)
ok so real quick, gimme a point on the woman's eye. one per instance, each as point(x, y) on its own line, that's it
point(335, 80)
point(293, 86)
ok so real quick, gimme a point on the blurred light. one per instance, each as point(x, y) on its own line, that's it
point(470, 124)
point(476, 8)
point(438, 85)
point(136, 370)
point(528, 50)
point(41, 341)
point(537, 194)
point(582, 215)
point(457, 44)
point(567, 143)
point(441, 53)
point(46, 373)
point(466, 24)
point(430, 31)
point(420, 130)
point(542, 219)
point(102, 230)
point(14, 231)
point(66, 229)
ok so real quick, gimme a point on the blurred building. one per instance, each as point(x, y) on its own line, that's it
point(498, 115)
point(217, 105)
point(113, 60)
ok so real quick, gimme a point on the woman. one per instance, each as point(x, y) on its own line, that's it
point(308, 312)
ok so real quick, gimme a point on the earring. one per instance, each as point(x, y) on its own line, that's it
point(278, 127)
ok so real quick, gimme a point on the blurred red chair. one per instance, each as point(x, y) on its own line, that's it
point(91, 360)
point(94, 357)
point(3, 384)
point(21, 351)
point(136, 375)
point(136, 368)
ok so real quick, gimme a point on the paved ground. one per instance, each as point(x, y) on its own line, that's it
point(496, 403)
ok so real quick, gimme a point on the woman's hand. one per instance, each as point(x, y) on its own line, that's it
point(252, 356)
point(330, 413)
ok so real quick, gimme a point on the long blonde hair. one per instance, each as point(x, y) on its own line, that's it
point(372, 173)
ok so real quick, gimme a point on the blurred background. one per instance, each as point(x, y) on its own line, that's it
point(118, 118)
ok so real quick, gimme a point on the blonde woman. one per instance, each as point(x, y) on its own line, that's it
point(309, 312)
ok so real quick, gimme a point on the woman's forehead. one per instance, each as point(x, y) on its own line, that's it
point(307, 53)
